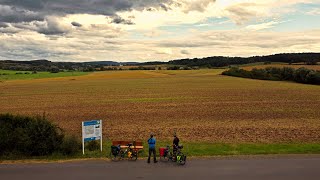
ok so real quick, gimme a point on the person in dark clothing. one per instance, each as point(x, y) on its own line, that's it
point(175, 145)
point(152, 148)
point(175, 140)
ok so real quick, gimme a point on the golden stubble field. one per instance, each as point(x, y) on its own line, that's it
point(199, 105)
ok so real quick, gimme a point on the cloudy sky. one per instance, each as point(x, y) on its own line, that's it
point(152, 30)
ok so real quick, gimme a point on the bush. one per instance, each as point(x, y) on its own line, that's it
point(93, 145)
point(54, 70)
point(70, 145)
point(300, 75)
point(142, 68)
point(187, 68)
point(313, 77)
point(173, 68)
point(287, 73)
point(29, 136)
point(259, 74)
point(312, 62)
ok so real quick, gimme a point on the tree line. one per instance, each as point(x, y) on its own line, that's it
point(221, 61)
point(208, 62)
point(301, 75)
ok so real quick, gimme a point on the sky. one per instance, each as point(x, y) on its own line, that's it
point(155, 30)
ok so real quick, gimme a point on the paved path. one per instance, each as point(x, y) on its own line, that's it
point(239, 168)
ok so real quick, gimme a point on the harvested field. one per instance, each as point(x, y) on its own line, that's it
point(199, 105)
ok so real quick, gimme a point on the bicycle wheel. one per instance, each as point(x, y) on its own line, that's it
point(114, 157)
point(168, 157)
point(122, 153)
point(114, 153)
point(134, 156)
point(181, 159)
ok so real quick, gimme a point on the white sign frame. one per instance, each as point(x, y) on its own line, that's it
point(91, 131)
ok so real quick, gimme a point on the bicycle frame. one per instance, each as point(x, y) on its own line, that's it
point(129, 152)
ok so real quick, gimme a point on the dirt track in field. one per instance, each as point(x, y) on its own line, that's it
point(198, 105)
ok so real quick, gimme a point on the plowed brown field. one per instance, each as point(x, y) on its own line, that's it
point(199, 105)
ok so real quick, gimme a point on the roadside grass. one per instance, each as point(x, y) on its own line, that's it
point(192, 149)
point(202, 149)
point(7, 75)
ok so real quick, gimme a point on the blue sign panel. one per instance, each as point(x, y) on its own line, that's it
point(89, 139)
point(91, 123)
point(91, 130)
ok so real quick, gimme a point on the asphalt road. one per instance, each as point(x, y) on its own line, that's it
point(240, 168)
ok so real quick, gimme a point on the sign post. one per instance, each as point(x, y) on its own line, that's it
point(91, 131)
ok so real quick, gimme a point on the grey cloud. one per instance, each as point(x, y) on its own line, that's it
point(70, 6)
point(53, 27)
point(30, 50)
point(241, 13)
point(185, 52)
point(164, 7)
point(104, 7)
point(14, 14)
point(120, 20)
point(76, 24)
point(150, 9)
point(33, 14)
point(3, 25)
point(96, 30)
point(199, 5)
point(50, 26)
point(27, 4)
point(113, 42)
point(9, 30)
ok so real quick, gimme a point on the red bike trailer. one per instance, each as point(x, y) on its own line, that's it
point(161, 151)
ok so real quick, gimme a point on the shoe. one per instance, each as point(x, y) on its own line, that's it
point(155, 161)
point(148, 161)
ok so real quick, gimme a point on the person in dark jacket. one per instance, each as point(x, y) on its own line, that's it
point(152, 148)
point(175, 144)
point(175, 140)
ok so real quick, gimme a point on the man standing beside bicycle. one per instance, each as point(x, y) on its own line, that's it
point(152, 148)
point(175, 144)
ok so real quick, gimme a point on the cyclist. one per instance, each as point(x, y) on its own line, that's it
point(175, 145)
point(152, 148)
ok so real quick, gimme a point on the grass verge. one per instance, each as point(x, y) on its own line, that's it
point(192, 149)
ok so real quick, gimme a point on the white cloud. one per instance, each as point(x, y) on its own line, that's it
point(81, 47)
point(314, 12)
point(262, 26)
point(97, 38)
point(242, 11)
point(167, 51)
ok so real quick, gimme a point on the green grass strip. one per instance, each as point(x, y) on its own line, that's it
point(197, 150)
point(7, 75)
